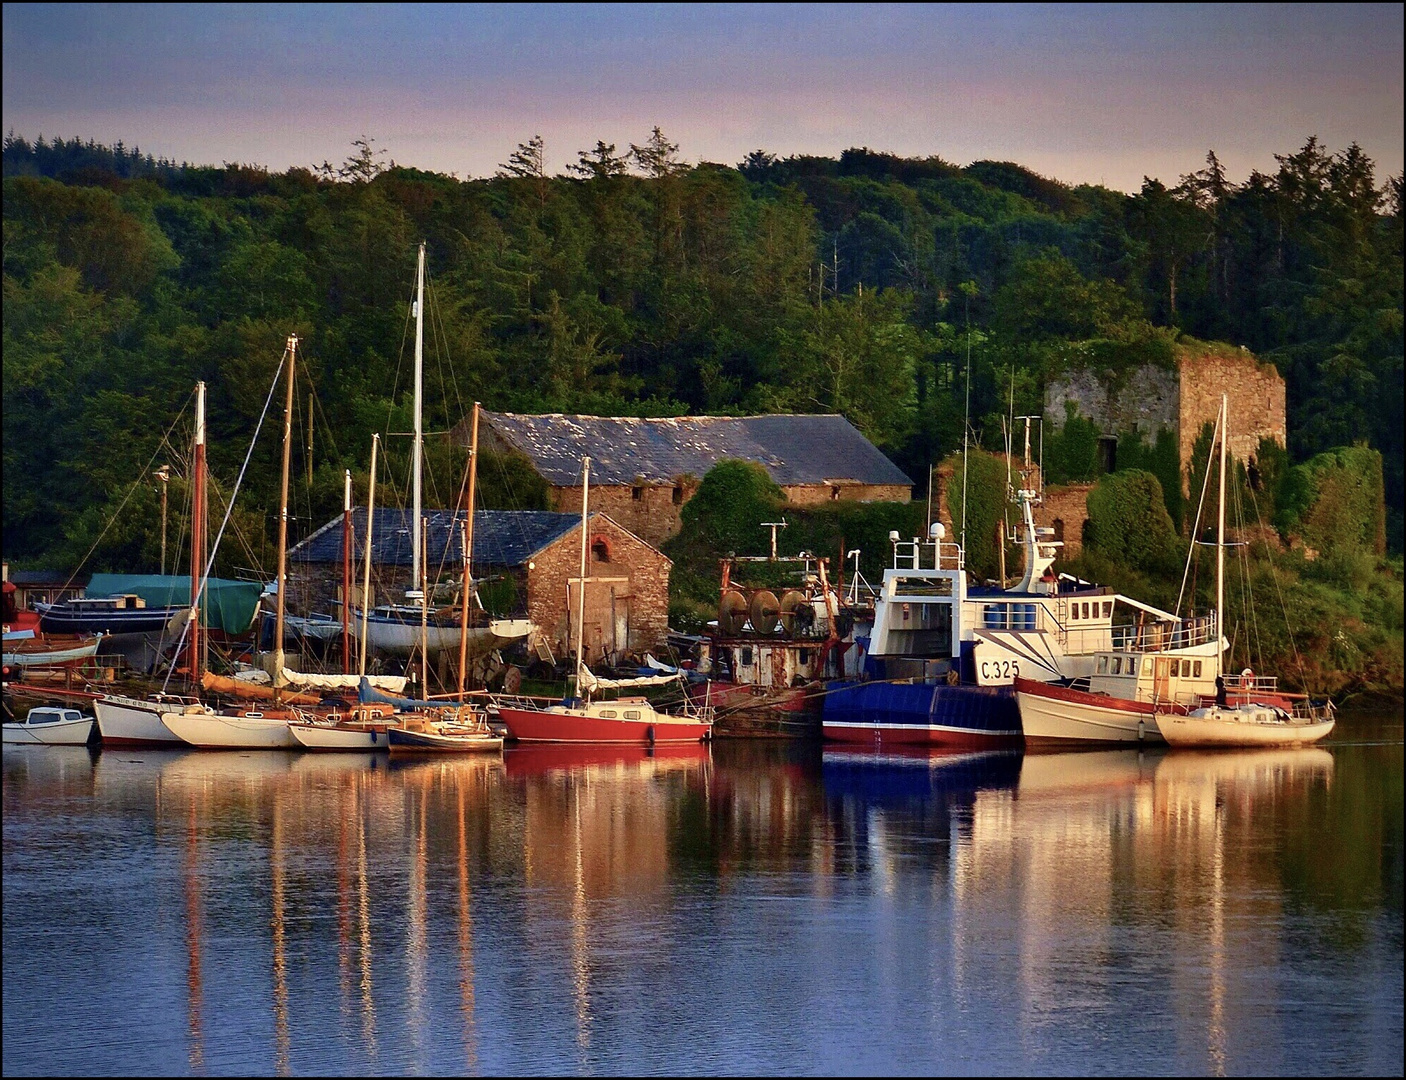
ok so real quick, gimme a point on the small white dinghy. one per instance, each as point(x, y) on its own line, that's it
point(50, 725)
point(1247, 725)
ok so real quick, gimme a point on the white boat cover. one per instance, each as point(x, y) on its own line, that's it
point(390, 684)
point(589, 682)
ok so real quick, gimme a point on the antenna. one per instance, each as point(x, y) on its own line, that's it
point(774, 525)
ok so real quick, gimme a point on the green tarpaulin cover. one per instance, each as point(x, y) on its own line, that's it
point(227, 605)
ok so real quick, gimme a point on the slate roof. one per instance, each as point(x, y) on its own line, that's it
point(501, 537)
point(794, 449)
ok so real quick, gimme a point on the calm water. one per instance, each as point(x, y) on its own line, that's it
point(753, 908)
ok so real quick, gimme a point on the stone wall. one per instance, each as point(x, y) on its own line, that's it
point(627, 587)
point(650, 511)
point(1148, 401)
point(814, 494)
point(1066, 510)
point(1255, 392)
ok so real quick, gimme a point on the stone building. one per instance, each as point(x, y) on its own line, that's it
point(526, 563)
point(1182, 400)
point(643, 471)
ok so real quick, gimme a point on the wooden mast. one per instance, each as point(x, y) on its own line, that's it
point(278, 657)
point(581, 591)
point(468, 552)
point(366, 573)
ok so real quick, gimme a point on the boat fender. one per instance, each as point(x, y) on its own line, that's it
point(649, 734)
point(952, 677)
point(1141, 731)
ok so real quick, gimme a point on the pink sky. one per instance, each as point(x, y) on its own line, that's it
point(1083, 93)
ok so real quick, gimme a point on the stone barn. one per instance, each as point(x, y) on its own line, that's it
point(526, 564)
point(643, 471)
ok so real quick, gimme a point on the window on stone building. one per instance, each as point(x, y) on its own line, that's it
point(678, 494)
point(637, 492)
point(1059, 529)
point(834, 491)
point(600, 550)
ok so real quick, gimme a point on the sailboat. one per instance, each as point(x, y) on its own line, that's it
point(1171, 680)
point(460, 727)
point(402, 629)
point(628, 720)
point(250, 729)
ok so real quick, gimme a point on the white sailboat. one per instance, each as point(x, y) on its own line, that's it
point(396, 629)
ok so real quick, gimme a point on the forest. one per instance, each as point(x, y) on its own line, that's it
point(906, 294)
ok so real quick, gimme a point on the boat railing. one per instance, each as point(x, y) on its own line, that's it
point(1164, 636)
point(939, 555)
point(1251, 683)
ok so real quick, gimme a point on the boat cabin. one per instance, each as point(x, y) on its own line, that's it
point(52, 714)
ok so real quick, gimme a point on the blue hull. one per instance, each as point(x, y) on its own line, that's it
point(932, 714)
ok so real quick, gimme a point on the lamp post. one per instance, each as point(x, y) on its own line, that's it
point(164, 475)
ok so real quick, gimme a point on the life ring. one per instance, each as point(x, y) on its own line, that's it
point(1247, 676)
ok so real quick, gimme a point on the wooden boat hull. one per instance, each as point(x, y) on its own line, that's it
point(394, 637)
point(1061, 716)
point(1221, 728)
point(561, 725)
point(51, 651)
point(124, 721)
point(60, 733)
point(216, 732)
point(430, 741)
point(340, 737)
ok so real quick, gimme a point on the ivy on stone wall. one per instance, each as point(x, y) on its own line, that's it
point(986, 507)
point(1129, 523)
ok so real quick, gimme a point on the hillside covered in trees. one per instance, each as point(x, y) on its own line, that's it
point(638, 285)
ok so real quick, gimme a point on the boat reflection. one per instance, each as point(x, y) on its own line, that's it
point(541, 759)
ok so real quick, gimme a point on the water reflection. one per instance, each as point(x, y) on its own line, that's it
point(605, 910)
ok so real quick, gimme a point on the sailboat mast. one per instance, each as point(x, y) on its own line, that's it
point(1220, 540)
point(366, 572)
point(346, 572)
point(197, 533)
point(581, 590)
point(278, 658)
point(416, 551)
point(468, 552)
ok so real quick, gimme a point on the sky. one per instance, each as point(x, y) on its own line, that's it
point(1103, 94)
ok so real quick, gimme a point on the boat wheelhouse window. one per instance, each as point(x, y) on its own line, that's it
point(46, 716)
point(1108, 609)
point(1086, 612)
point(1117, 665)
point(1197, 668)
point(746, 656)
point(1073, 612)
point(632, 714)
point(71, 714)
point(803, 656)
point(1103, 665)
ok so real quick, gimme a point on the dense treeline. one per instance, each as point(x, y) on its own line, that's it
point(641, 285)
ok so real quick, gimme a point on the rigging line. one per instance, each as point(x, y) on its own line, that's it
point(229, 509)
point(1196, 528)
point(966, 420)
point(130, 492)
point(1283, 608)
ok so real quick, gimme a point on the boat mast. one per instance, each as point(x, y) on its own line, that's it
point(278, 658)
point(346, 572)
point(197, 533)
point(468, 552)
point(1220, 542)
point(366, 573)
point(581, 591)
point(416, 451)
